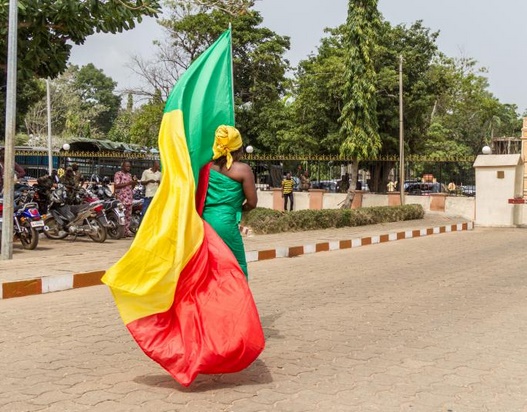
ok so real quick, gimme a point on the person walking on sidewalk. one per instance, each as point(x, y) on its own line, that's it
point(150, 179)
point(124, 183)
point(231, 190)
point(287, 191)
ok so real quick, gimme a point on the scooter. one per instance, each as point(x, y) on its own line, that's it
point(64, 219)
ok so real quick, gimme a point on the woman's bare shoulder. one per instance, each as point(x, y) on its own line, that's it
point(241, 167)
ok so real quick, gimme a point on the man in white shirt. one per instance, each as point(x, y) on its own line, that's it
point(150, 179)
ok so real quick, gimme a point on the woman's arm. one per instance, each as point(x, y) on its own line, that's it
point(249, 189)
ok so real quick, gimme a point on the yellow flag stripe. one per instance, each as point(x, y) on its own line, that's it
point(144, 281)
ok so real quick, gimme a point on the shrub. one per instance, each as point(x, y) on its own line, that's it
point(263, 221)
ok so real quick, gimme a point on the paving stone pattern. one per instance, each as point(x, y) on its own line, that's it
point(429, 324)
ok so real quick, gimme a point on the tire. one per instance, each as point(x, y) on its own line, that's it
point(100, 235)
point(53, 231)
point(134, 223)
point(28, 237)
point(116, 230)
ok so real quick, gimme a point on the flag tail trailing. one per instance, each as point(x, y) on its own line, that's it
point(179, 289)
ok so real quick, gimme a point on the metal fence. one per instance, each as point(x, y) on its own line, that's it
point(325, 172)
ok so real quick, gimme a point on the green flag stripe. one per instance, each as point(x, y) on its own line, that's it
point(204, 95)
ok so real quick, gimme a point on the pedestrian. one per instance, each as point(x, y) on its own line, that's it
point(287, 191)
point(123, 183)
point(231, 190)
point(150, 179)
point(344, 183)
point(79, 178)
point(68, 181)
point(55, 178)
point(305, 183)
point(19, 171)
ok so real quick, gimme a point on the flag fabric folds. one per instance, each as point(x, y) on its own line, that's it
point(179, 289)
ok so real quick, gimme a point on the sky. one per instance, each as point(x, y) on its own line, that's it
point(491, 32)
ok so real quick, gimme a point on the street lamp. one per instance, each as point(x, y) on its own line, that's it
point(65, 147)
point(486, 150)
point(249, 149)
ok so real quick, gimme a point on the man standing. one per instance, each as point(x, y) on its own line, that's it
point(305, 184)
point(287, 191)
point(150, 179)
point(79, 179)
point(124, 183)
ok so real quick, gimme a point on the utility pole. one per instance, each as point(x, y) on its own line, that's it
point(401, 132)
point(10, 126)
point(48, 104)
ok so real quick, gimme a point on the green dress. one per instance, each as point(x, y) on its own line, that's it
point(223, 207)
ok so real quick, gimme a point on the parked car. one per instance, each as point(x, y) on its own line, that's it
point(468, 190)
point(329, 185)
point(425, 188)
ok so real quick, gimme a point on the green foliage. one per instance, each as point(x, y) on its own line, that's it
point(146, 123)
point(48, 28)
point(258, 59)
point(83, 104)
point(265, 221)
point(95, 88)
point(360, 129)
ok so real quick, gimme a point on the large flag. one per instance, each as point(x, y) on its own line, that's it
point(179, 289)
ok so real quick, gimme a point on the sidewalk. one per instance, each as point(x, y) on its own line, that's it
point(61, 265)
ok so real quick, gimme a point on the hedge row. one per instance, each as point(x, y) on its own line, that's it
point(263, 221)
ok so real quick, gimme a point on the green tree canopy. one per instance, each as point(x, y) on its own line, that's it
point(258, 57)
point(47, 29)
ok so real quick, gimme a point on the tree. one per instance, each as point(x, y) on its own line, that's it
point(259, 66)
point(317, 101)
point(82, 103)
point(95, 88)
point(48, 28)
point(359, 115)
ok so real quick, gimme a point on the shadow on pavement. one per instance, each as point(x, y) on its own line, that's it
point(256, 374)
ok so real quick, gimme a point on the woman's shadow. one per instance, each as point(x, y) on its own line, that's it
point(256, 374)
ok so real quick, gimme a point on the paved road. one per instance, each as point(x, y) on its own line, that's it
point(429, 324)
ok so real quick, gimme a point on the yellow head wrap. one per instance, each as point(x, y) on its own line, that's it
point(226, 140)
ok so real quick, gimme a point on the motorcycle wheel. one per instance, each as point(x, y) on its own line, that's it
point(53, 230)
point(28, 237)
point(134, 223)
point(100, 231)
point(115, 231)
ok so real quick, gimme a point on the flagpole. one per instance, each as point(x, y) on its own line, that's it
point(232, 75)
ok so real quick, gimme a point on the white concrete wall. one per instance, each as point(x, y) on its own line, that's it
point(493, 192)
point(265, 198)
point(461, 206)
point(373, 200)
point(333, 200)
point(454, 205)
point(418, 200)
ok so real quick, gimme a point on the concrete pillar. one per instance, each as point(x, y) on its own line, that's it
point(316, 199)
point(357, 199)
point(394, 198)
point(437, 202)
point(278, 200)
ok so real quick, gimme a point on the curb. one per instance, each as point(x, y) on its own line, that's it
point(48, 284)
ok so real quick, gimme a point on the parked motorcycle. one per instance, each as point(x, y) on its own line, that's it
point(26, 220)
point(137, 208)
point(64, 219)
point(113, 208)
